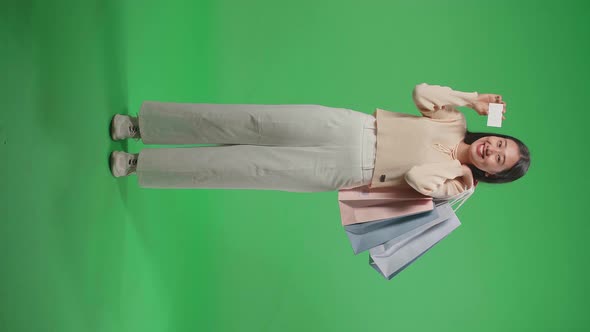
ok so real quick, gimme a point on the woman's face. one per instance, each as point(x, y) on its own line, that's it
point(493, 154)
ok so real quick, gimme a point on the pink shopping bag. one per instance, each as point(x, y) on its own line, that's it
point(362, 204)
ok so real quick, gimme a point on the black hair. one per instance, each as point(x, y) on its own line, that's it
point(509, 175)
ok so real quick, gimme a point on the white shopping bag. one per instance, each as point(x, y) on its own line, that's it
point(393, 256)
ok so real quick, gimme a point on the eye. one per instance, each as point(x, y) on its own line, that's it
point(498, 158)
point(500, 144)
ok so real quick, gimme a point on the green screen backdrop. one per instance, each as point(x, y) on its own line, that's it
point(82, 251)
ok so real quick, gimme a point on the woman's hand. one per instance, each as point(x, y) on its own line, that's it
point(467, 175)
point(481, 105)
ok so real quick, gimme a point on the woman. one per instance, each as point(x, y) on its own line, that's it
point(308, 148)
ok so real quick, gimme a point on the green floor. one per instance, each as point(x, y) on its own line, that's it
point(82, 251)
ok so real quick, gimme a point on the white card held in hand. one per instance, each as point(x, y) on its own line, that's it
point(495, 115)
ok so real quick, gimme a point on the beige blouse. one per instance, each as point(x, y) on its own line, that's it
point(421, 151)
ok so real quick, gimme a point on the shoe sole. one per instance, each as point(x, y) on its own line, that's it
point(112, 128)
point(112, 164)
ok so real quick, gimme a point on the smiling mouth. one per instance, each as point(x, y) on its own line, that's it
point(481, 150)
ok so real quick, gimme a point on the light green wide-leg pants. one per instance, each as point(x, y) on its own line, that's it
point(297, 148)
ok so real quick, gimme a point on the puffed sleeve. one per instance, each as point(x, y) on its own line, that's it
point(438, 180)
point(426, 96)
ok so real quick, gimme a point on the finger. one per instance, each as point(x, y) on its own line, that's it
point(503, 118)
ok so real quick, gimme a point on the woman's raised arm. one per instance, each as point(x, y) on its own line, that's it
point(438, 102)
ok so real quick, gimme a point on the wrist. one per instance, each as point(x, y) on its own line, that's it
point(473, 100)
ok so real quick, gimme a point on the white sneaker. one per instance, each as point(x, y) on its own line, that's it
point(123, 163)
point(124, 126)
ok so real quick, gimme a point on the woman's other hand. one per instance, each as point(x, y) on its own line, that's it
point(481, 105)
point(467, 175)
